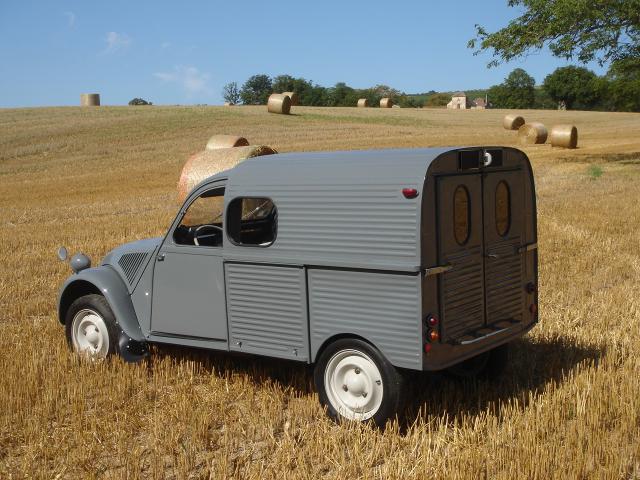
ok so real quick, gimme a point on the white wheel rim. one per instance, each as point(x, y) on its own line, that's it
point(89, 334)
point(353, 384)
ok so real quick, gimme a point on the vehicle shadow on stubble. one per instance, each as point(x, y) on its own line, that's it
point(533, 364)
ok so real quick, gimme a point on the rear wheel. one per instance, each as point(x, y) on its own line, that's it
point(90, 327)
point(355, 382)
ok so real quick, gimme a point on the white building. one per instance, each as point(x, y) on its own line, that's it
point(459, 101)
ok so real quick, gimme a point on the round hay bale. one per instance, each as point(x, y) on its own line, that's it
point(209, 162)
point(225, 141)
point(363, 103)
point(293, 96)
point(386, 103)
point(565, 136)
point(279, 103)
point(512, 122)
point(531, 133)
point(89, 99)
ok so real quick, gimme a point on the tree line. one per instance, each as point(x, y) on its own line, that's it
point(256, 91)
point(571, 87)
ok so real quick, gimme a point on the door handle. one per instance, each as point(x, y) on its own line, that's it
point(492, 255)
point(161, 257)
point(438, 270)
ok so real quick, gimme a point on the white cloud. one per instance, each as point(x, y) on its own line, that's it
point(116, 42)
point(192, 80)
point(71, 18)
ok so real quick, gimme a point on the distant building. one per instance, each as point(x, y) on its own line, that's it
point(480, 104)
point(459, 101)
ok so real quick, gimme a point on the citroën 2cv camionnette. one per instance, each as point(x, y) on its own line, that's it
point(364, 263)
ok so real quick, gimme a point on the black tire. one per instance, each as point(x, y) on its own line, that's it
point(489, 365)
point(392, 392)
point(98, 304)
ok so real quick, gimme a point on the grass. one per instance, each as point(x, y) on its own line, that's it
point(92, 179)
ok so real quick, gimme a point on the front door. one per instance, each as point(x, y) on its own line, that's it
point(188, 278)
point(481, 227)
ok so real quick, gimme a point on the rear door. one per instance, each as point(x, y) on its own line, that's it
point(480, 230)
point(504, 233)
point(461, 246)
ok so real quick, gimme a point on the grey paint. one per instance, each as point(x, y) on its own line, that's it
point(382, 308)
point(337, 208)
point(188, 292)
point(146, 247)
point(111, 285)
point(267, 310)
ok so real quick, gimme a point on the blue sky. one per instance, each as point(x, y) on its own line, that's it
point(184, 52)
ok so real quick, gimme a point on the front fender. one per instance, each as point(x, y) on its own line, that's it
point(105, 281)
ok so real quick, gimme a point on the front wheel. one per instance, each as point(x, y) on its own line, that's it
point(90, 327)
point(355, 382)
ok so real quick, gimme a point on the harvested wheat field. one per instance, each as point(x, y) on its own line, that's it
point(91, 179)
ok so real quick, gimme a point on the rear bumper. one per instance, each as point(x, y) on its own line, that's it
point(445, 355)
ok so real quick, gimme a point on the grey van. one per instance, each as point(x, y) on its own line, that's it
point(364, 263)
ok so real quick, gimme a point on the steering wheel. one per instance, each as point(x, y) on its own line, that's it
point(197, 237)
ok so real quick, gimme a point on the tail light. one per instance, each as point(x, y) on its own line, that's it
point(432, 320)
point(433, 336)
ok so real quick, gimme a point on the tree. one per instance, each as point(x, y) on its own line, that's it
point(622, 85)
point(575, 86)
point(231, 93)
point(284, 83)
point(256, 90)
point(437, 100)
point(603, 30)
point(517, 91)
point(139, 101)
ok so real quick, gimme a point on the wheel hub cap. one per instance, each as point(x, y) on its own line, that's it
point(89, 334)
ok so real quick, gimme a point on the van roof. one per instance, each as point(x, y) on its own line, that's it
point(337, 167)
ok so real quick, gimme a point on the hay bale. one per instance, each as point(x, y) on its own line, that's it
point(279, 103)
point(293, 96)
point(89, 99)
point(209, 162)
point(229, 104)
point(565, 136)
point(386, 103)
point(225, 141)
point(363, 103)
point(512, 122)
point(531, 133)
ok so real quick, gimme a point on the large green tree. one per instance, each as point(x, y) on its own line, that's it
point(256, 90)
point(603, 30)
point(623, 86)
point(517, 91)
point(576, 87)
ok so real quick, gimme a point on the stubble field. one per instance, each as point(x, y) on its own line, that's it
point(91, 179)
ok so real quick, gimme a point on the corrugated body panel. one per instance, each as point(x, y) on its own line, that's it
point(463, 293)
point(130, 264)
point(267, 310)
point(383, 308)
point(371, 224)
point(503, 278)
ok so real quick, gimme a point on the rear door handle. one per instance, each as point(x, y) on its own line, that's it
point(492, 255)
point(437, 270)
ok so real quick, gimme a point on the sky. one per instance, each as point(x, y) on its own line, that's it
point(185, 52)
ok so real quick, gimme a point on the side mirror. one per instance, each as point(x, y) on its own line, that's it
point(63, 254)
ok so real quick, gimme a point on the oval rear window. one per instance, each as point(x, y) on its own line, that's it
point(503, 208)
point(461, 216)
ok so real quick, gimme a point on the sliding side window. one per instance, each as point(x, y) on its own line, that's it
point(252, 221)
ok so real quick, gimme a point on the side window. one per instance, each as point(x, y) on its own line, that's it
point(252, 221)
point(201, 225)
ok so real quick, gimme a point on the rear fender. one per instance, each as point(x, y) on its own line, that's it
point(105, 281)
